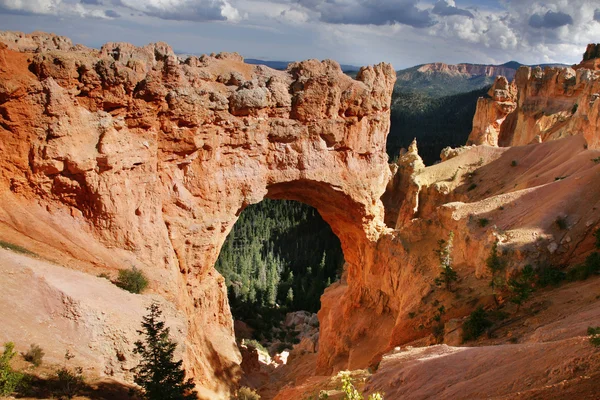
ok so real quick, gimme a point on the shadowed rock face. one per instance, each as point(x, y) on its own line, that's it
point(158, 156)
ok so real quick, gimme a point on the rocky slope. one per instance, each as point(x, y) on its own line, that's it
point(132, 156)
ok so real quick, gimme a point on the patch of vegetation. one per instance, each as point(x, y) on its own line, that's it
point(412, 314)
point(496, 264)
point(574, 109)
point(34, 355)
point(256, 344)
point(590, 267)
point(351, 393)
point(16, 248)
point(560, 178)
point(514, 163)
point(436, 122)
point(561, 222)
point(521, 285)
point(472, 186)
point(246, 393)
point(69, 382)
point(133, 280)
point(596, 160)
point(597, 236)
point(447, 275)
point(10, 380)
point(475, 325)
point(550, 276)
point(104, 275)
point(483, 222)
point(594, 335)
point(159, 376)
point(438, 329)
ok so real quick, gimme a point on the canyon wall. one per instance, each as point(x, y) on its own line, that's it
point(541, 105)
point(153, 157)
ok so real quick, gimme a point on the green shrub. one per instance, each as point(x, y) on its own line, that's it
point(16, 248)
point(574, 109)
point(104, 275)
point(69, 382)
point(521, 285)
point(256, 344)
point(34, 355)
point(590, 267)
point(133, 280)
point(472, 186)
point(597, 235)
point(514, 163)
point(245, 393)
point(596, 160)
point(483, 222)
point(475, 325)
point(350, 392)
point(9, 380)
point(594, 335)
point(550, 276)
point(561, 222)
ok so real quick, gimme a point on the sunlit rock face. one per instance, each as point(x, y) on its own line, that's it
point(155, 156)
point(541, 105)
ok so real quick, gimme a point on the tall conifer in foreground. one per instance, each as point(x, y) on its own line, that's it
point(160, 377)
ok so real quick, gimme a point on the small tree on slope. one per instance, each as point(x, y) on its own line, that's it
point(444, 252)
point(160, 377)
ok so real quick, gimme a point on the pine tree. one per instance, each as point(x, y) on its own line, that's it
point(444, 252)
point(160, 377)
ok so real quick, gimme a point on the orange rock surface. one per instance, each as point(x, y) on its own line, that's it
point(541, 105)
point(128, 156)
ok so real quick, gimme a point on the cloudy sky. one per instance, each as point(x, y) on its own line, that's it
point(358, 32)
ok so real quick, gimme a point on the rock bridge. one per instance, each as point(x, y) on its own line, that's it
point(155, 156)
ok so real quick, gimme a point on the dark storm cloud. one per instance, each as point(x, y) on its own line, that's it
point(112, 14)
point(597, 15)
point(370, 12)
point(443, 8)
point(550, 20)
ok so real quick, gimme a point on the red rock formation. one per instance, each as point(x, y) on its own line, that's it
point(157, 156)
point(550, 104)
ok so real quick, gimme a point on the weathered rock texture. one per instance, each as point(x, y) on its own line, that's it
point(541, 105)
point(155, 157)
point(132, 156)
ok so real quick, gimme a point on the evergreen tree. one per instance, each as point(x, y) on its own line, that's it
point(160, 377)
point(444, 252)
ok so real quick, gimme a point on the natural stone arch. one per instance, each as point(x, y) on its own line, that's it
point(155, 156)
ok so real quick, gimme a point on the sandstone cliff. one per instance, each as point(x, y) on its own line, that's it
point(541, 105)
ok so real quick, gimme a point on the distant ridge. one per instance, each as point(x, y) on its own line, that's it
point(440, 79)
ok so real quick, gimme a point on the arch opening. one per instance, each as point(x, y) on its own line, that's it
point(279, 258)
